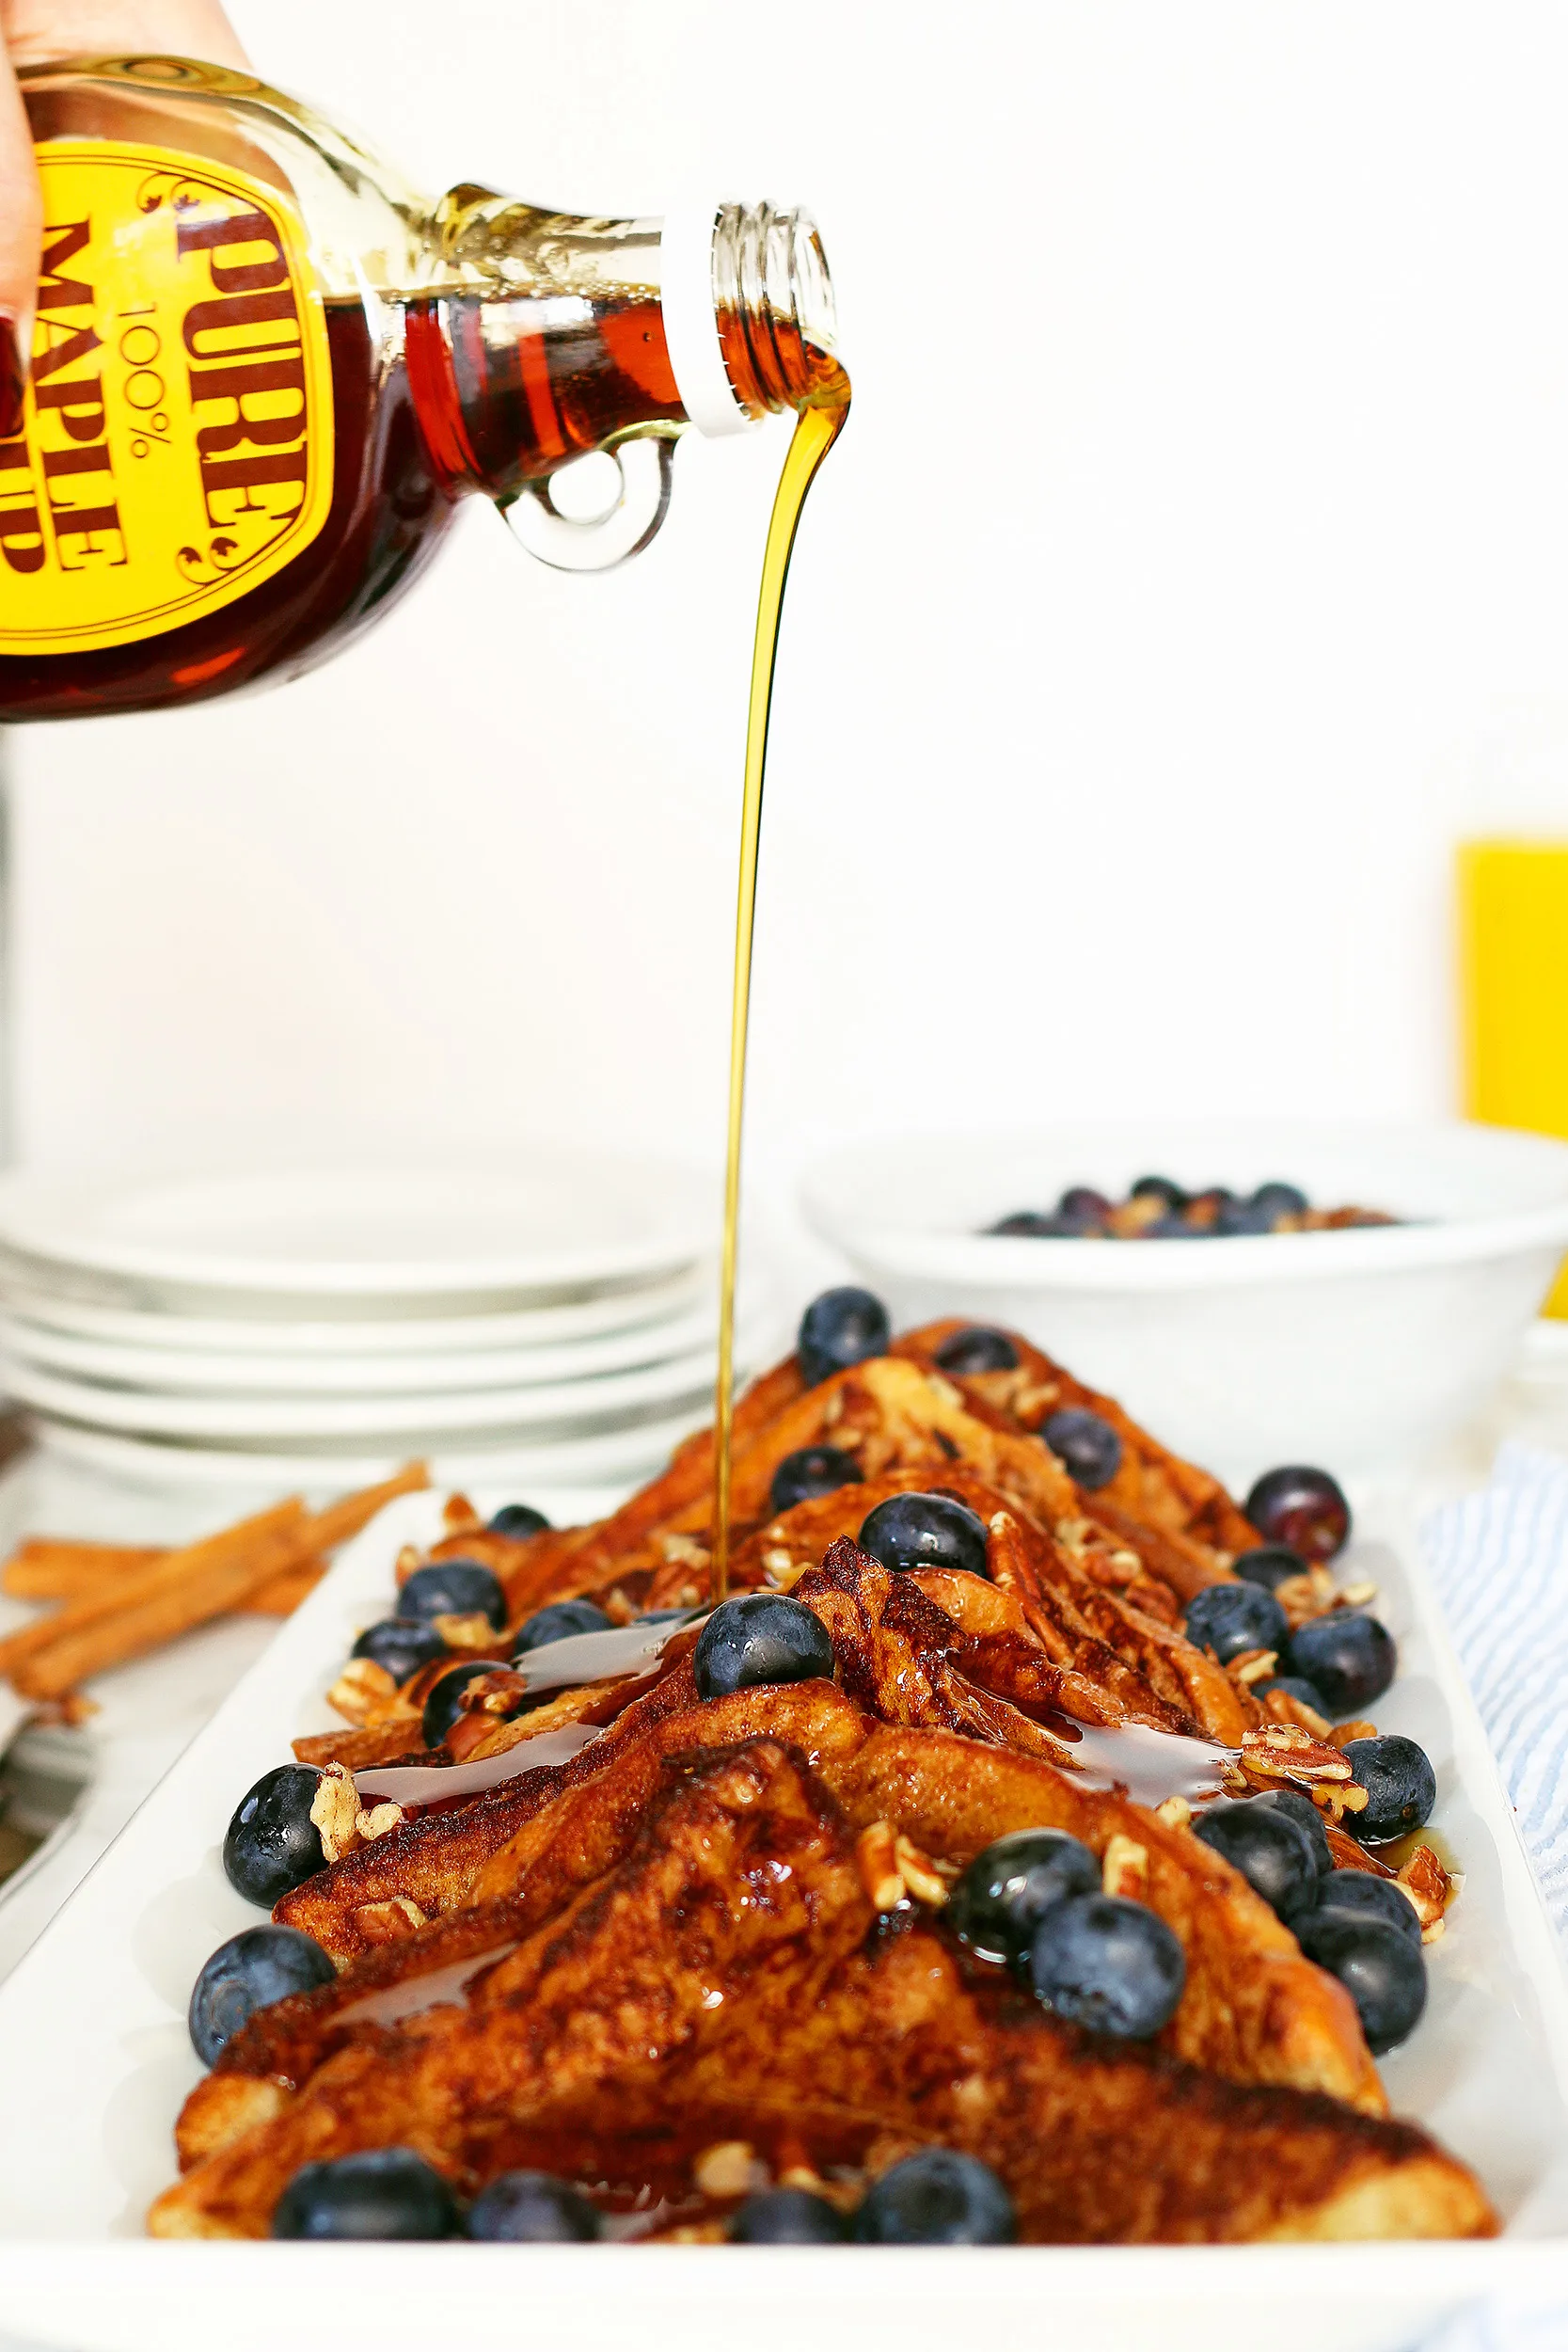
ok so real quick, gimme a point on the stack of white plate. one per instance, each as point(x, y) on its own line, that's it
point(546, 1321)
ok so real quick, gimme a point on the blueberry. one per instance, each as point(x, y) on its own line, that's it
point(1160, 1189)
point(559, 1622)
point(519, 1520)
point(1176, 1229)
point(937, 2198)
point(1401, 1787)
point(1107, 1963)
point(1230, 1618)
point(1006, 1892)
point(1350, 1657)
point(1269, 1565)
point(840, 1328)
point(1081, 1201)
point(787, 2216)
point(1300, 1809)
point(1279, 1201)
point(1379, 1966)
point(453, 1589)
point(1233, 1217)
point(977, 1348)
point(921, 1530)
point(1302, 1507)
point(401, 1646)
point(1087, 1444)
point(443, 1705)
point(273, 1844)
point(760, 1637)
point(1357, 1893)
point(253, 1969)
point(533, 2208)
point(1042, 1225)
point(1294, 1687)
point(1274, 1853)
point(383, 2193)
point(809, 1472)
point(1205, 1206)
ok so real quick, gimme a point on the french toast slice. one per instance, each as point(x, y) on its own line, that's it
point(1253, 2009)
point(731, 1963)
point(904, 1652)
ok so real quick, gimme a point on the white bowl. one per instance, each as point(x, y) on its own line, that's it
point(1357, 1350)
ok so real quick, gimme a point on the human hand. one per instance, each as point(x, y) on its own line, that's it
point(36, 31)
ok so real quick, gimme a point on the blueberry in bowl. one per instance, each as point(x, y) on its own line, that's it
point(1006, 1891)
point(253, 1969)
point(1349, 1657)
point(453, 1589)
point(399, 1645)
point(1042, 1225)
point(1230, 1619)
point(444, 1700)
point(1274, 1853)
point(1160, 1188)
point(534, 2209)
point(1401, 1787)
point(809, 1472)
point(937, 2197)
point(1277, 1199)
point(558, 1621)
point(977, 1348)
point(271, 1844)
point(1113, 1966)
point(381, 2193)
point(1300, 1506)
point(760, 1637)
point(1379, 1966)
point(925, 1531)
point(519, 1520)
point(1085, 1444)
point(787, 2216)
point(839, 1328)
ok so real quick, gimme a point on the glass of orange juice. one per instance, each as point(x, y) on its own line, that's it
point(1513, 980)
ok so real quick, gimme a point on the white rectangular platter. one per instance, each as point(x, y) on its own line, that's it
point(94, 2062)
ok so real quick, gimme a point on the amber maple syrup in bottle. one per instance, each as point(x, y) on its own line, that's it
point(264, 371)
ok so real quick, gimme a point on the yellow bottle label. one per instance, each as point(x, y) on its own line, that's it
point(177, 446)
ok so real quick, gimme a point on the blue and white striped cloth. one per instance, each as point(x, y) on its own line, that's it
point(1508, 1544)
point(1499, 1561)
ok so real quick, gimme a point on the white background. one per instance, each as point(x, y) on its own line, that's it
point(1193, 571)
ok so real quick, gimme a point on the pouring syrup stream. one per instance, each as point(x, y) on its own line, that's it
point(819, 423)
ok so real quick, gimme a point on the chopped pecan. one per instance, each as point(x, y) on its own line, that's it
point(919, 1874)
point(728, 2169)
point(391, 1922)
point(877, 1858)
point(1430, 1888)
point(1124, 1869)
point(335, 1811)
point(357, 1689)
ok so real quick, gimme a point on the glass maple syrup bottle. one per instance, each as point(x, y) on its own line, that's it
point(264, 371)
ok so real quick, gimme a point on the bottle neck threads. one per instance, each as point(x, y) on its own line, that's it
point(773, 302)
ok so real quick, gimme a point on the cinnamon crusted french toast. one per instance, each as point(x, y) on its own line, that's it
point(733, 1945)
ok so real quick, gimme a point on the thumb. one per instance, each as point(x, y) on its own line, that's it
point(21, 232)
